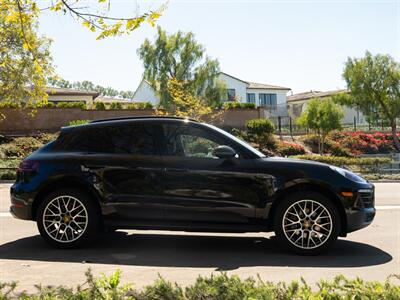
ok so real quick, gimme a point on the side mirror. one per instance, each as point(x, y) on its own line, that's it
point(224, 152)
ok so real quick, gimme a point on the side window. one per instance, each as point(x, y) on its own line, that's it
point(131, 138)
point(128, 138)
point(190, 141)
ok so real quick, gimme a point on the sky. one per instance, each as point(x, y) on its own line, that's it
point(302, 45)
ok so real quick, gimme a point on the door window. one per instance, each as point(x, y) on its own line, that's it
point(190, 141)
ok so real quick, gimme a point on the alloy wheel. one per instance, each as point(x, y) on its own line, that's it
point(307, 224)
point(65, 219)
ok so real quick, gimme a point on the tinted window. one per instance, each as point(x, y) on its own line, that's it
point(128, 138)
point(191, 141)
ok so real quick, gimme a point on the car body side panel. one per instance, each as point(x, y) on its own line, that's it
point(213, 190)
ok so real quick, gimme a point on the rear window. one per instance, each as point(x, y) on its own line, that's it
point(139, 139)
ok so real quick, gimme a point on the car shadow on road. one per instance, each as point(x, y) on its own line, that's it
point(219, 252)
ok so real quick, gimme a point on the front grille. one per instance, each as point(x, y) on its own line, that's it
point(367, 198)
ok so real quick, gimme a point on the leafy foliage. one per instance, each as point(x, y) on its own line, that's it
point(321, 116)
point(239, 105)
point(180, 57)
point(365, 143)
point(218, 287)
point(78, 122)
point(347, 161)
point(115, 105)
point(260, 131)
point(81, 105)
point(99, 105)
point(287, 148)
point(90, 86)
point(374, 83)
point(25, 60)
point(140, 105)
point(183, 103)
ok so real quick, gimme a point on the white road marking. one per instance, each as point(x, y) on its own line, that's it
point(378, 207)
point(387, 207)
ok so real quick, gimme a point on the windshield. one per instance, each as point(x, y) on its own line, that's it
point(237, 140)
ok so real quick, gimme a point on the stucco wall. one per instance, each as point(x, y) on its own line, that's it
point(18, 121)
point(280, 95)
point(145, 93)
point(232, 83)
point(348, 112)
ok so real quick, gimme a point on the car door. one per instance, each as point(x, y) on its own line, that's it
point(127, 167)
point(199, 187)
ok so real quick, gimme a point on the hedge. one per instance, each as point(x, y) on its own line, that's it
point(218, 287)
point(343, 161)
point(239, 105)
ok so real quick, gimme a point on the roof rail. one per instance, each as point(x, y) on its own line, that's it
point(141, 117)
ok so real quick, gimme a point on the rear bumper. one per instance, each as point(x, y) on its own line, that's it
point(20, 209)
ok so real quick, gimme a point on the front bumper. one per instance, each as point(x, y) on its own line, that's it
point(360, 218)
point(362, 212)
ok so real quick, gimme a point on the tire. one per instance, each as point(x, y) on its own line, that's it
point(314, 229)
point(68, 218)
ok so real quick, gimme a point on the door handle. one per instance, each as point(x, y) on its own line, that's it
point(175, 170)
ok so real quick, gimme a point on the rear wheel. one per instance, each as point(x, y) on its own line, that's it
point(68, 218)
point(306, 223)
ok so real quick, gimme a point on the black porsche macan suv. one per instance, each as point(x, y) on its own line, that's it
point(178, 174)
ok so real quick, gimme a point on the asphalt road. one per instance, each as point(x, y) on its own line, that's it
point(372, 253)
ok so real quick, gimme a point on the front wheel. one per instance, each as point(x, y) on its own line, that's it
point(306, 223)
point(68, 218)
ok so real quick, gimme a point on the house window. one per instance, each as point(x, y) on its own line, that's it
point(231, 94)
point(251, 97)
point(268, 100)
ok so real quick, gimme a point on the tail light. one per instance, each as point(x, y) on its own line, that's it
point(28, 166)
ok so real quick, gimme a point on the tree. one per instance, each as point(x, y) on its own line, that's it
point(178, 56)
point(322, 116)
point(90, 86)
point(374, 84)
point(25, 59)
point(183, 103)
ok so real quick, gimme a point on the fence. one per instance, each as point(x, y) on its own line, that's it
point(287, 125)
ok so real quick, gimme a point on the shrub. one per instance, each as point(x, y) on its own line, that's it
point(346, 161)
point(260, 131)
point(115, 105)
point(139, 105)
point(287, 148)
point(9, 104)
point(20, 147)
point(330, 146)
point(239, 105)
point(81, 105)
point(215, 287)
point(99, 105)
point(40, 104)
point(364, 143)
point(7, 175)
point(77, 122)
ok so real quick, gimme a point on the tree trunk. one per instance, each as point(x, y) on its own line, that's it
point(322, 144)
point(395, 137)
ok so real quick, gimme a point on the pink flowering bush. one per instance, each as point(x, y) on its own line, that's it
point(288, 148)
point(364, 143)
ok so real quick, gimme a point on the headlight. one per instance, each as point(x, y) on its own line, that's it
point(348, 174)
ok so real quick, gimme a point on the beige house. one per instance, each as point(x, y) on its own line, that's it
point(297, 103)
point(70, 95)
